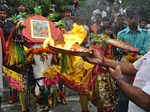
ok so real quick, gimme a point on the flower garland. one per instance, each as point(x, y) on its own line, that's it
point(131, 57)
point(30, 52)
point(41, 50)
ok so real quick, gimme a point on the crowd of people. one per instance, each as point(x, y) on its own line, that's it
point(130, 28)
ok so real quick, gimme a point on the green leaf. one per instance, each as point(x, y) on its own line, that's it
point(52, 16)
point(60, 23)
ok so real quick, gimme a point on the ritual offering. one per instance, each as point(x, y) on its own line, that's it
point(70, 42)
point(40, 29)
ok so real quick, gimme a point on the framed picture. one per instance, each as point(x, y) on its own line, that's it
point(40, 29)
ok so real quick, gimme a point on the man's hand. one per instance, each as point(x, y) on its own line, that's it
point(94, 58)
point(116, 73)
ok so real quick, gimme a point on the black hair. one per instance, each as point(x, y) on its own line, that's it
point(3, 8)
point(20, 4)
point(121, 15)
point(106, 19)
point(143, 19)
point(106, 27)
point(67, 10)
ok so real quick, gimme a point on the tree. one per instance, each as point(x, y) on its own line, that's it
point(140, 7)
point(45, 4)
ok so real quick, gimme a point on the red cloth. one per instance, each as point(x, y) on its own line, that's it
point(51, 82)
point(2, 40)
point(55, 31)
point(132, 79)
point(108, 110)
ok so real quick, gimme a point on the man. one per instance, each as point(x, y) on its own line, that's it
point(139, 93)
point(1, 63)
point(5, 23)
point(143, 23)
point(68, 19)
point(119, 24)
point(5, 28)
point(134, 35)
point(138, 38)
point(74, 7)
point(105, 21)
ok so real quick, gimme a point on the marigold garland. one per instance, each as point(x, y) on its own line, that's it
point(130, 58)
point(41, 50)
point(32, 51)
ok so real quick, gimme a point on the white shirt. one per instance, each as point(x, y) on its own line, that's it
point(142, 79)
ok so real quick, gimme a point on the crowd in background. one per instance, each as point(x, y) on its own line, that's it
point(127, 27)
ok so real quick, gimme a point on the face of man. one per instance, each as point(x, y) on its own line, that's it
point(3, 15)
point(67, 13)
point(132, 24)
point(143, 24)
point(21, 8)
point(108, 31)
point(76, 1)
point(120, 19)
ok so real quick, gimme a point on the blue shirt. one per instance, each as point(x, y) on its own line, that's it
point(139, 39)
point(73, 11)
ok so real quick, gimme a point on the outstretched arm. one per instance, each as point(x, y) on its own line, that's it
point(138, 96)
point(126, 68)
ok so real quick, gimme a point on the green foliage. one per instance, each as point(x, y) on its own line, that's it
point(61, 4)
point(29, 5)
point(16, 19)
point(111, 1)
point(60, 23)
point(37, 10)
point(139, 6)
point(45, 5)
point(52, 16)
point(93, 35)
point(23, 15)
